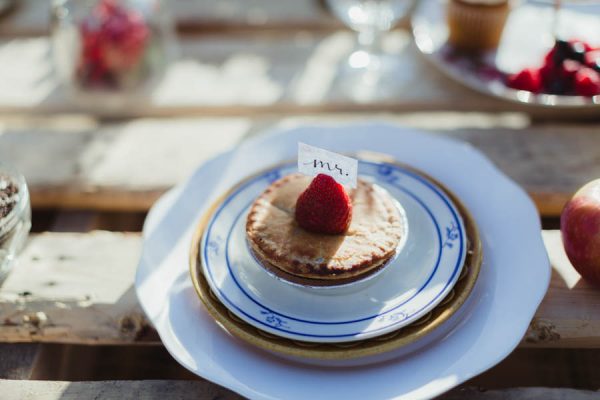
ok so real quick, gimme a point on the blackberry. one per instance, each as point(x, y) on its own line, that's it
point(565, 50)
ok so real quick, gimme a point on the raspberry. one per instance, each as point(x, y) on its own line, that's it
point(582, 44)
point(324, 207)
point(561, 71)
point(587, 82)
point(592, 59)
point(528, 79)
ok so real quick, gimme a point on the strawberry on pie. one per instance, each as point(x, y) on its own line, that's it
point(314, 231)
point(324, 207)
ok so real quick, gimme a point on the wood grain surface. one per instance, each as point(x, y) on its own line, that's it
point(74, 285)
point(109, 390)
point(78, 288)
point(32, 17)
point(243, 67)
point(127, 165)
point(193, 390)
point(242, 74)
point(17, 361)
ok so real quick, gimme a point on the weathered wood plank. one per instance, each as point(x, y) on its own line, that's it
point(233, 74)
point(17, 360)
point(32, 17)
point(78, 362)
point(27, 17)
point(109, 390)
point(532, 393)
point(77, 288)
point(569, 316)
point(192, 390)
point(524, 367)
point(249, 74)
point(122, 166)
point(127, 165)
point(74, 288)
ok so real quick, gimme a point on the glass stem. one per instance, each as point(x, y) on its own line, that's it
point(368, 40)
point(555, 20)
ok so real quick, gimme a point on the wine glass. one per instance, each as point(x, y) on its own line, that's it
point(367, 69)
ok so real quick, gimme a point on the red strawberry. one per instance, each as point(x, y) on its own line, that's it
point(324, 207)
point(528, 79)
point(549, 58)
point(587, 82)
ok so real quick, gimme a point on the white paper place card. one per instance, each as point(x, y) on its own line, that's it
point(314, 160)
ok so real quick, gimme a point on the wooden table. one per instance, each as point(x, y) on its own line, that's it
point(70, 324)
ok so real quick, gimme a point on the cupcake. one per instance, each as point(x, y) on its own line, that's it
point(476, 25)
point(318, 234)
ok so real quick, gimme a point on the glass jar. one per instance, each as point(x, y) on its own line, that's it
point(106, 50)
point(15, 217)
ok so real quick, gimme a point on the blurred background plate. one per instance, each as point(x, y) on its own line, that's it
point(527, 37)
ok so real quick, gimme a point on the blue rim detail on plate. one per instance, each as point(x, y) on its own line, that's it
point(437, 263)
point(277, 321)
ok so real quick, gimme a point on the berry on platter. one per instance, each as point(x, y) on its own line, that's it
point(528, 79)
point(592, 60)
point(587, 82)
point(324, 207)
point(569, 68)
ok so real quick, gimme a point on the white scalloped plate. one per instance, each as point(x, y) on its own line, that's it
point(513, 279)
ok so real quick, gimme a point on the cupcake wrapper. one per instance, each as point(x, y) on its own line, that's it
point(475, 27)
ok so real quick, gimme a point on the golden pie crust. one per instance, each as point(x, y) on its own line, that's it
point(376, 229)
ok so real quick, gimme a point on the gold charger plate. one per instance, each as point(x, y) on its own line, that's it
point(348, 350)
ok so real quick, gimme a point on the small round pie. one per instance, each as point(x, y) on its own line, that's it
point(377, 228)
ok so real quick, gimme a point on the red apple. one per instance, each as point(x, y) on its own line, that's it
point(580, 227)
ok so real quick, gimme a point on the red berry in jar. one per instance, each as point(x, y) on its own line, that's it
point(104, 48)
point(114, 39)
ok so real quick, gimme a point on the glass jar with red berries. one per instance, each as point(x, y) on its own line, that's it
point(15, 217)
point(110, 49)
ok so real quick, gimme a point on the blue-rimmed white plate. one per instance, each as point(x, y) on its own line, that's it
point(409, 287)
